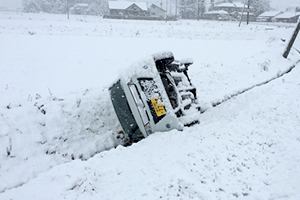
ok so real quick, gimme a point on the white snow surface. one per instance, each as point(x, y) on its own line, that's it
point(58, 128)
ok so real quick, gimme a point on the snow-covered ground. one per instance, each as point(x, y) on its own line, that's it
point(58, 128)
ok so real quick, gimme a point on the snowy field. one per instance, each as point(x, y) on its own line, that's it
point(58, 128)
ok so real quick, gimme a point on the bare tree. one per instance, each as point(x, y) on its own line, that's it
point(62, 6)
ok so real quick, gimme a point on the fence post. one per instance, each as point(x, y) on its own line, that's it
point(288, 48)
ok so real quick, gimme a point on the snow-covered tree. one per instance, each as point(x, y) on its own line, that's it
point(46, 6)
point(202, 8)
point(187, 9)
point(260, 6)
point(191, 9)
point(61, 6)
point(99, 7)
point(31, 6)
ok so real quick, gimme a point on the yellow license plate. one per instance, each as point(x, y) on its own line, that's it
point(159, 108)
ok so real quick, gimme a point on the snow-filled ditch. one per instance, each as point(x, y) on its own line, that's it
point(57, 121)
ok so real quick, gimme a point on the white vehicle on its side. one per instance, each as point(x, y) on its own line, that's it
point(155, 95)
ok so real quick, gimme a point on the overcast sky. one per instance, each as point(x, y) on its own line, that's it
point(11, 3)
point(276, 4)
point(282, 4)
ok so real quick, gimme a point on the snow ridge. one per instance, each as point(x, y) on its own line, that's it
point(280, 74)
point(57, 125)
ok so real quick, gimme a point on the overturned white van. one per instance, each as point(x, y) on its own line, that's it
point(154, 95)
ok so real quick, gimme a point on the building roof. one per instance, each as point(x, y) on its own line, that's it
point(122, 5)
point(82, 4)
point(155, 6)
point(231, 5)
point(242, 13)
point(270, 14)
point(288, 15)
point(214, 12)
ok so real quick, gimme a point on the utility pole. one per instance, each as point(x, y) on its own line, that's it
point(242, 14)
point(202, 8)
point(170, 8)
point(198, 10)
point(176, 10)
point(288, 48)
point(68, 10)
point(248, 12)
point(166, 10)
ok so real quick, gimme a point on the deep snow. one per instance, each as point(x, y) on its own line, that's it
point(56, 116)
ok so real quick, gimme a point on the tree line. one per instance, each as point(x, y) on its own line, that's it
point(95, 7)
point(187, 9)
point(194, 9)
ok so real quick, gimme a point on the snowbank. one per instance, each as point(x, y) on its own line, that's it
point(56, 118)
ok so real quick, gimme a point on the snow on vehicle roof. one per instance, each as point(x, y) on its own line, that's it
point(143, 68)
point(121, 5)
point(162, 55)
point(186, 60)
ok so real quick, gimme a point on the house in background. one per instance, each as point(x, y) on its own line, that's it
point(216, 15)
point(155, 11)
point(126, 8)
point(288, 17)
point(230, 7)
point(291, 14)
point(268, 16)
point(236, 10)
point(238, 15)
